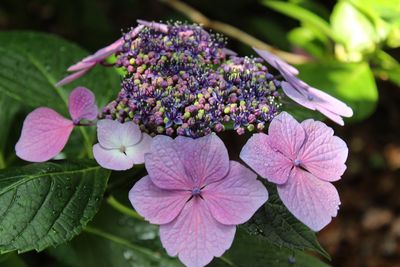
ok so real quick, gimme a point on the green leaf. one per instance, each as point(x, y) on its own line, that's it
point(251, 251)
point(8, 118)
point(125, 240)
point(32, 63)
point(306, 39)
point(301, 14)
point(275, 224)
point(354, 31)
point(352, 83)
point(43, 205)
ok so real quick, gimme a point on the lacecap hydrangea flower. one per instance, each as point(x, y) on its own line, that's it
point(181, 87)
point(302, 159)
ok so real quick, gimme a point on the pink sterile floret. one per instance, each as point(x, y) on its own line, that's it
point(121, 145)
point(45, 132)
point(302, 159)
point(197, 196)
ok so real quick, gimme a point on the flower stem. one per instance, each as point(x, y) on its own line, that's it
point(113, 202)
point(121, 241)
point(232, 31)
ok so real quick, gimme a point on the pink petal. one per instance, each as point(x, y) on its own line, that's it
point(323, 154)
point(297, 96)
point(137, 151)
point(164, 165)
point(100, 55)
point(195, 236)
point(82, 65)
point(81, 104)
point(44, 135)
point(286, 135)
point(156, 205)
point(331, 115)
point(313, 201)
point(185, 163)
point(206, 159)
point(330, 103)
point(266, 161)
point(114, 134)
point(234, 199)
point(112, 159)
point(161, 27)
point(274, 61)
point(72, 77)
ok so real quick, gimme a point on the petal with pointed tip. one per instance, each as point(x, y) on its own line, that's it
point(195, 236)
point(72, 77)
point(274, 61)
point(313, 201)
point(81, 104)
point(323, 154)
point(156, 205)
point(44, 135)
point(286, 135)
point(234, 199)
point(266, 161)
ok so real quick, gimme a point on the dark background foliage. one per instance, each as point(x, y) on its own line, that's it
point(367, 230)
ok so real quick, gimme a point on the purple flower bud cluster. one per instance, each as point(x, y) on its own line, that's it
point(182, 81)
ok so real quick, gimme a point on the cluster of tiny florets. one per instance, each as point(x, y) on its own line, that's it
point(185, 82)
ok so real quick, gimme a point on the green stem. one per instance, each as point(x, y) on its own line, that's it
point(113, 202)
point(226, 261)
point(121, 241)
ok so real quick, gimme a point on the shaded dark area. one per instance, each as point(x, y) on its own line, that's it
point(367, 231)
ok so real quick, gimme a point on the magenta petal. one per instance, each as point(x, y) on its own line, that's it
point(164, 164)
point(274, 61)
point(313, 201)
point(82, 65)
point(234, 199)
point(161, 27)
point(81, 104)
point(137, 152)
point(206, 159)
point(44, 135)
point(156, 205)
point(114, 134)
point(266, 161)
point(330, 103)
point(331, 115)
point(323, 154)
point(72, 77)
point(286, 135)
point(195, 236)
point(185, 163)
point(297, 96)
point(112, 159)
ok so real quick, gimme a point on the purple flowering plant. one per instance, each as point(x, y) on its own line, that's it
point(181, 94)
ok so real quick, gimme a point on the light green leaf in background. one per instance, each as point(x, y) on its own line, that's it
point(43, 205)
point(353, 83)
point(355, 32)
point(303, 15)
